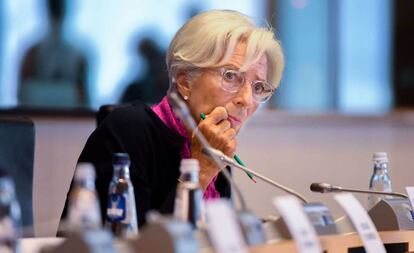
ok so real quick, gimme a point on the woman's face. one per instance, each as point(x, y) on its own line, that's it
point(205, 93)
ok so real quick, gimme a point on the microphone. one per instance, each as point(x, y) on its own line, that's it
point(327, 188)
point(249, 223)
point(182, 111)
point(387, 215)
point(212, 152)
point(219, 157)
point(324, 188)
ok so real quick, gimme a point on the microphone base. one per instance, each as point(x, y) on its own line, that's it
point(392, 215)
point(318, 214)
point(166, 235)
point(251, 227)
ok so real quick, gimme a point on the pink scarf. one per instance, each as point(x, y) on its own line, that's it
point(166, 114)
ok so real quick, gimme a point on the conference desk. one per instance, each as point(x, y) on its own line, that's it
point(399, 241)
point(34, 245)
point(346, 243)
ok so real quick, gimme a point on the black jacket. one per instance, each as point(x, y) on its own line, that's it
point(154, 150)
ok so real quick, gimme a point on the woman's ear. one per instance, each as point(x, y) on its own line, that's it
point(183, 85)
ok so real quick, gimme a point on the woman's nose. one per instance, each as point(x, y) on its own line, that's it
point(244, 97)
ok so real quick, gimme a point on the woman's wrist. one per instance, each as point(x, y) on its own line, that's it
point(206, 178)
point(208, 169)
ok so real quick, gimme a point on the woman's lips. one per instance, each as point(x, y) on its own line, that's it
point(234, 121)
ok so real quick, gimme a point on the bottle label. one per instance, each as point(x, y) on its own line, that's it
point(116, 210)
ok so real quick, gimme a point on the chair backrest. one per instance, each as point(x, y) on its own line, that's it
point(105, 110)
point(17, 140)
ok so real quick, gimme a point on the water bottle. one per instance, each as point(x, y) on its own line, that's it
point(189, 196)
point(10, 216)
point(121, 215)
point(380, 180)
point(84, 211)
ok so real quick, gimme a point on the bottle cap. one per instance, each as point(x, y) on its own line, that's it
point(380, 157)
point(189, 165)
point(84, 171)
point(120, 159)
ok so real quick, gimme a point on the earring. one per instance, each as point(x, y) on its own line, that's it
point(185, 98)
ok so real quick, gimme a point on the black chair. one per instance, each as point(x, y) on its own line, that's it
point(105, 110)
point(17, 140)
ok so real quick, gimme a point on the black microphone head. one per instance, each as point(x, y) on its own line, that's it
point(320, 187)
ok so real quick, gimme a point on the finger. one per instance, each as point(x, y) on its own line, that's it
point(230, 148)
point(222, 126)
point(215, 122)
point(218, 114)
point(229, 135)
point(226, 140)
point(214, 133)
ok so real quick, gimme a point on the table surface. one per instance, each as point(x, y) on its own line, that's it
point(331, 243)
point(34, 245)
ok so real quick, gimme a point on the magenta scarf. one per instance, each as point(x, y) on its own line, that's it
point(166, 114)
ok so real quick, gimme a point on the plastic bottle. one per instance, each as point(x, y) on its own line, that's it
point(84, 212)
point(189, 196)
point(121, 215)
point(380, 180)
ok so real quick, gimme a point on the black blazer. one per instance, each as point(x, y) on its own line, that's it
point(154, 150)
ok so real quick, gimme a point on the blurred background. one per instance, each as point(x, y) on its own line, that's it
point(344, 56)
point(347, 90)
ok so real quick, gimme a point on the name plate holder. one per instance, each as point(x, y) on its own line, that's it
point(223, 228)
point(166, 235)
point(251, 228)
point(299, 225)
point(318, 214)
point(362, 223)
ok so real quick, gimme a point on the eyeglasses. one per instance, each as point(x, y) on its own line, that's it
point(232, 81)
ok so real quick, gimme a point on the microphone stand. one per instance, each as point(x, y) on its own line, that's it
point(387, 215)
point(183, 112)
point(277, 229)
point(227, 160)
point(395, 194)
point(328, 188)
point(249, 223)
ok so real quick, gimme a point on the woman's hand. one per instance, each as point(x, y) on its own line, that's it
point(218, 132)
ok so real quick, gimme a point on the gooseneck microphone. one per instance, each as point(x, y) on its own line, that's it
point(182, 111)
point(212, 152)
point(327, 188)
point(219, 157)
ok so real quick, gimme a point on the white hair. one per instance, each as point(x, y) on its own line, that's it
point(210, 39)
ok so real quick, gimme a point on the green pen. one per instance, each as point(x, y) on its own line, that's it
point(236, 157)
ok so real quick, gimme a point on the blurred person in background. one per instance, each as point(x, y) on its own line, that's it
point(151, 88)
point(222, 65)
point(53, 73)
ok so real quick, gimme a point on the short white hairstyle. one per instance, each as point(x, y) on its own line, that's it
point(210, 39)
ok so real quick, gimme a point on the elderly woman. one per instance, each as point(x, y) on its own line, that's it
point(222, 65)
